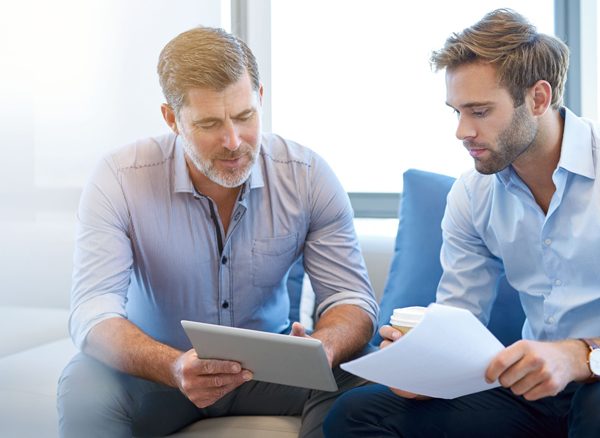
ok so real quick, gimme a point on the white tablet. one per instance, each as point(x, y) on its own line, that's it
point(272, 357)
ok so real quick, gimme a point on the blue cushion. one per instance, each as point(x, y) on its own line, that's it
point(415, 268)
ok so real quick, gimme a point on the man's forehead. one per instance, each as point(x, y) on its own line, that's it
point(474, 83)
point(206, 100)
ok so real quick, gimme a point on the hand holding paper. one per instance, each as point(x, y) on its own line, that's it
point(445, 356)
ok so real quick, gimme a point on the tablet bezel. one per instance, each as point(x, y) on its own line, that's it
point(272, 357)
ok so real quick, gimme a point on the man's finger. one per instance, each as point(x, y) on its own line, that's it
point(224, 380)
point(389, 332)
point(504, 360)
point(385, 344)
point(210, 366)
point(298, 330)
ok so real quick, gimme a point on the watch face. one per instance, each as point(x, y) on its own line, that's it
point(595, 361)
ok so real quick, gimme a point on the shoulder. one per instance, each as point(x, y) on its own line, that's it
point(474, 185)
point(143, 153)
point(280, 151)
point(472, 197)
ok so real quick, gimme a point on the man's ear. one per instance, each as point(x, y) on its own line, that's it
point(541, 93)
point(169, 116)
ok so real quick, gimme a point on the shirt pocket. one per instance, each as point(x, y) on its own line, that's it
point(271, 259)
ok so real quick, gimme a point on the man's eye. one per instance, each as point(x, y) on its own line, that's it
point(245, 117)
point(480, 114)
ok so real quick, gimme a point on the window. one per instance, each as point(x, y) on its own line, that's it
point(351, 80)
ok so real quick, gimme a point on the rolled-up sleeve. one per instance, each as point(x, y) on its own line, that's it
point(103, 257)
point(332, 255)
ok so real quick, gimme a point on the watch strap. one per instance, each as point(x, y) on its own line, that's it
point(592, 345)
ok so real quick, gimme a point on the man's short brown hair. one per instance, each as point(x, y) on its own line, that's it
point(521, 55)
point(203, 57)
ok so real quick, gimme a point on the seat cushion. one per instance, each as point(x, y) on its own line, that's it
point(244, 427)
point(28, 382)
point(415, 269)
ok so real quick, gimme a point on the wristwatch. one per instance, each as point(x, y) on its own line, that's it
point(593, 358)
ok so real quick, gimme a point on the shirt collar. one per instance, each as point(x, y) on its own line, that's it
point(256, 175)
point(576, 154)
point(183, 181)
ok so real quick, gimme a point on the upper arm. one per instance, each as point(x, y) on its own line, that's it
point(470, 270)
point(103, 254)
point(332, 255)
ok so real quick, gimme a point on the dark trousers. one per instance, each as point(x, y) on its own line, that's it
point(375, 411)
point(95, 400)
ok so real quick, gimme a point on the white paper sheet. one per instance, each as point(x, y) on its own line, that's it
point(445, 356)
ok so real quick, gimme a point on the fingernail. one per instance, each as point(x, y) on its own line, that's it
point(236, 368)
point(247, 375)
point(396, 335)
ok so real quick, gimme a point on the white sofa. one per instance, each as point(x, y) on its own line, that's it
point(36, 257)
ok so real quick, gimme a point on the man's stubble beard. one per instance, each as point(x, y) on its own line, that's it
point(513, 141)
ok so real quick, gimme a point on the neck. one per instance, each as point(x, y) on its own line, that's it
point(536, 166)
point(223, 197)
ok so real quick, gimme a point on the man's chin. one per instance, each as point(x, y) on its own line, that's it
point(488, 169)
point(228, 181)
point(484, 171)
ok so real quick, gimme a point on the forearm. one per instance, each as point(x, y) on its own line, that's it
point(344, 330)
point(122, 345)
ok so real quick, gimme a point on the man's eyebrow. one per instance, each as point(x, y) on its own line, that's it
point(218, 119)
point(473, 104)
point(206, 120)
point(244, 113)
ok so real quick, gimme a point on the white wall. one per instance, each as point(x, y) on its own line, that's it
point(77, 79)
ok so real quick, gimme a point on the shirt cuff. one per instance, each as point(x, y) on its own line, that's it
point(85, 316)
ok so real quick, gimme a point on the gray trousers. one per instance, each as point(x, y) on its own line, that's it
point(95, 400)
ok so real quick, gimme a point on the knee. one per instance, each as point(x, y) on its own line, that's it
point(89, 393)
point(337, 420)
point(354, 413)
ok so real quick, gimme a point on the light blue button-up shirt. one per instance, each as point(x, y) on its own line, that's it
point(493, 224)
point(152, 249)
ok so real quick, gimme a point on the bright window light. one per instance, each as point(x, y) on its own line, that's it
point(351, 80)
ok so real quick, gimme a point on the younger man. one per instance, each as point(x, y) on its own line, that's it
point(532, 210)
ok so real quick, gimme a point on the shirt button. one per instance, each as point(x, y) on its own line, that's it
point(224, 259)
point(550, 320)
point(225, 304)
point(548, 242)
point(557, 282)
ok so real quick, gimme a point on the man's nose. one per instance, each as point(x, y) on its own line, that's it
point(465, 129)
point(232, 139)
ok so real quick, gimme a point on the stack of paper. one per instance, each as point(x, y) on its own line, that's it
point(445, 356)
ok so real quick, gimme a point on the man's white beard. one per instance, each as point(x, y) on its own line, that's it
point(225, 179)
